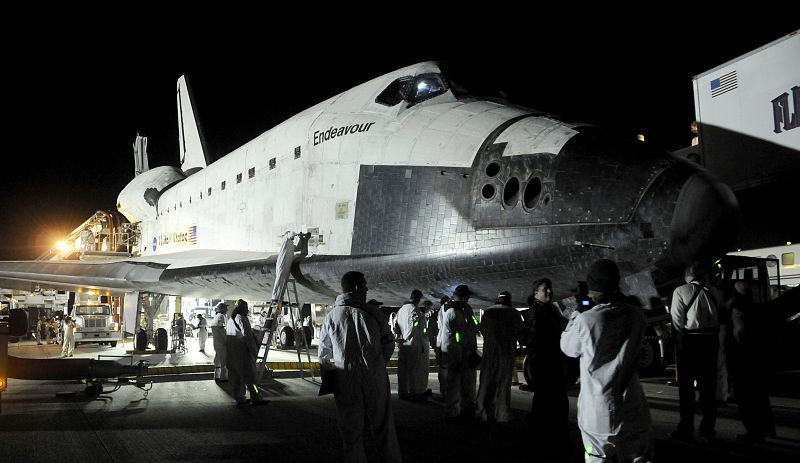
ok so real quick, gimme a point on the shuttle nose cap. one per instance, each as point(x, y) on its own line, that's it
point(706, 220)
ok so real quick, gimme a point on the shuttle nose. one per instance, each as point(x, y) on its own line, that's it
point(706, 220)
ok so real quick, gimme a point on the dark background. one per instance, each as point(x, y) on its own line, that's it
point(77, 91)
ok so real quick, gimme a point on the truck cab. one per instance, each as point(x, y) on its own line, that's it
point(287, 323)
point(95, 323)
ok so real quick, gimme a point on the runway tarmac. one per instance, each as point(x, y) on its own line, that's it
point(189, 417)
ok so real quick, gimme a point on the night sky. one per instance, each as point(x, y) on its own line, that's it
point(76, 96)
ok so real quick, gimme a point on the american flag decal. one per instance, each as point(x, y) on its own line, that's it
point(723, 84)
point(193, 234)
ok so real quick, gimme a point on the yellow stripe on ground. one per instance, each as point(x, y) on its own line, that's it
point(277, 366)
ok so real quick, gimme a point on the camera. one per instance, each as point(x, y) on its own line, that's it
point(584, 301)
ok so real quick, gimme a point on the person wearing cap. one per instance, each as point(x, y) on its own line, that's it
point(458, 338)
point(411, 365)
point(696, 328)
point(549, 413)
point(501, 327)
point(357, 343)
point(613, 415)
point(218, 332)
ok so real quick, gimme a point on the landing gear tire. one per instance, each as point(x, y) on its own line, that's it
point(113, 343)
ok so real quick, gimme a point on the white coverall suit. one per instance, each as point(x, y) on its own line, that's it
point(356, 339)
point(412, 361)
point(202, 334)
point(500, 326)
point(458, 338)
point(219, 333)
point(69, 339)
point(612, 410)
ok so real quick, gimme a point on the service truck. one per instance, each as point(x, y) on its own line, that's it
point(95, 323)
point(747, 111)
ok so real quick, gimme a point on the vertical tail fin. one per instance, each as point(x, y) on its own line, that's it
point(191, 142)
point(140, 161)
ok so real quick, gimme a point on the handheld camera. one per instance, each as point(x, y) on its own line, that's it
point(584, 301)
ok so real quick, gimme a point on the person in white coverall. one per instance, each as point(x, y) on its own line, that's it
point(356, 341)
point(241, 351)
point(202, 332)
point(69, 337)
point(218, 332)
point(613, 415)
point(412, 357)
point(437, 341)
point(501, 327)
point(458, 338)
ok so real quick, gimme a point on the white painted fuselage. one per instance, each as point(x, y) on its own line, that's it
point(302, 175)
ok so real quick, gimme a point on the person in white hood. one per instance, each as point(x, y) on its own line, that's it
point(501, 327)
point(356, 341)
point(218, 331)
point(241, 351)
point(613, 415)
point(412, 358)
point(458, 338)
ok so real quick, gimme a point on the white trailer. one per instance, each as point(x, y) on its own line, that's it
point(747, 111)
point(784, 264)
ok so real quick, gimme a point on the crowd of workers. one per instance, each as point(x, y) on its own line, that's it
point(357, 340)
point(52, 331)
point(48, 331)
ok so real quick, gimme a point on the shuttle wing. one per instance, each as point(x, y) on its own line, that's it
point(163, 274)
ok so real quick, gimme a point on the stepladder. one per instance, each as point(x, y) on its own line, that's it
point(283, 320)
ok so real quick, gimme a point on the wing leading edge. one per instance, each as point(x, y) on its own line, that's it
point(161, 274)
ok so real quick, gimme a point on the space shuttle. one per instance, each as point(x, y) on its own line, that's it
point(414, 181)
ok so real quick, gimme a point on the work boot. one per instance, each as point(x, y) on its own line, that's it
point(747, 437)
point(706, 438)
point(679, 435)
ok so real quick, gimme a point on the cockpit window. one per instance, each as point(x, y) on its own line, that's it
point(412, 90)
point(395, 92)
point(426, 86)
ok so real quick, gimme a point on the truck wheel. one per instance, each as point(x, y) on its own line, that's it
point(113, 343)
point(650, 361)
point(527, 369)
point(286, 339)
